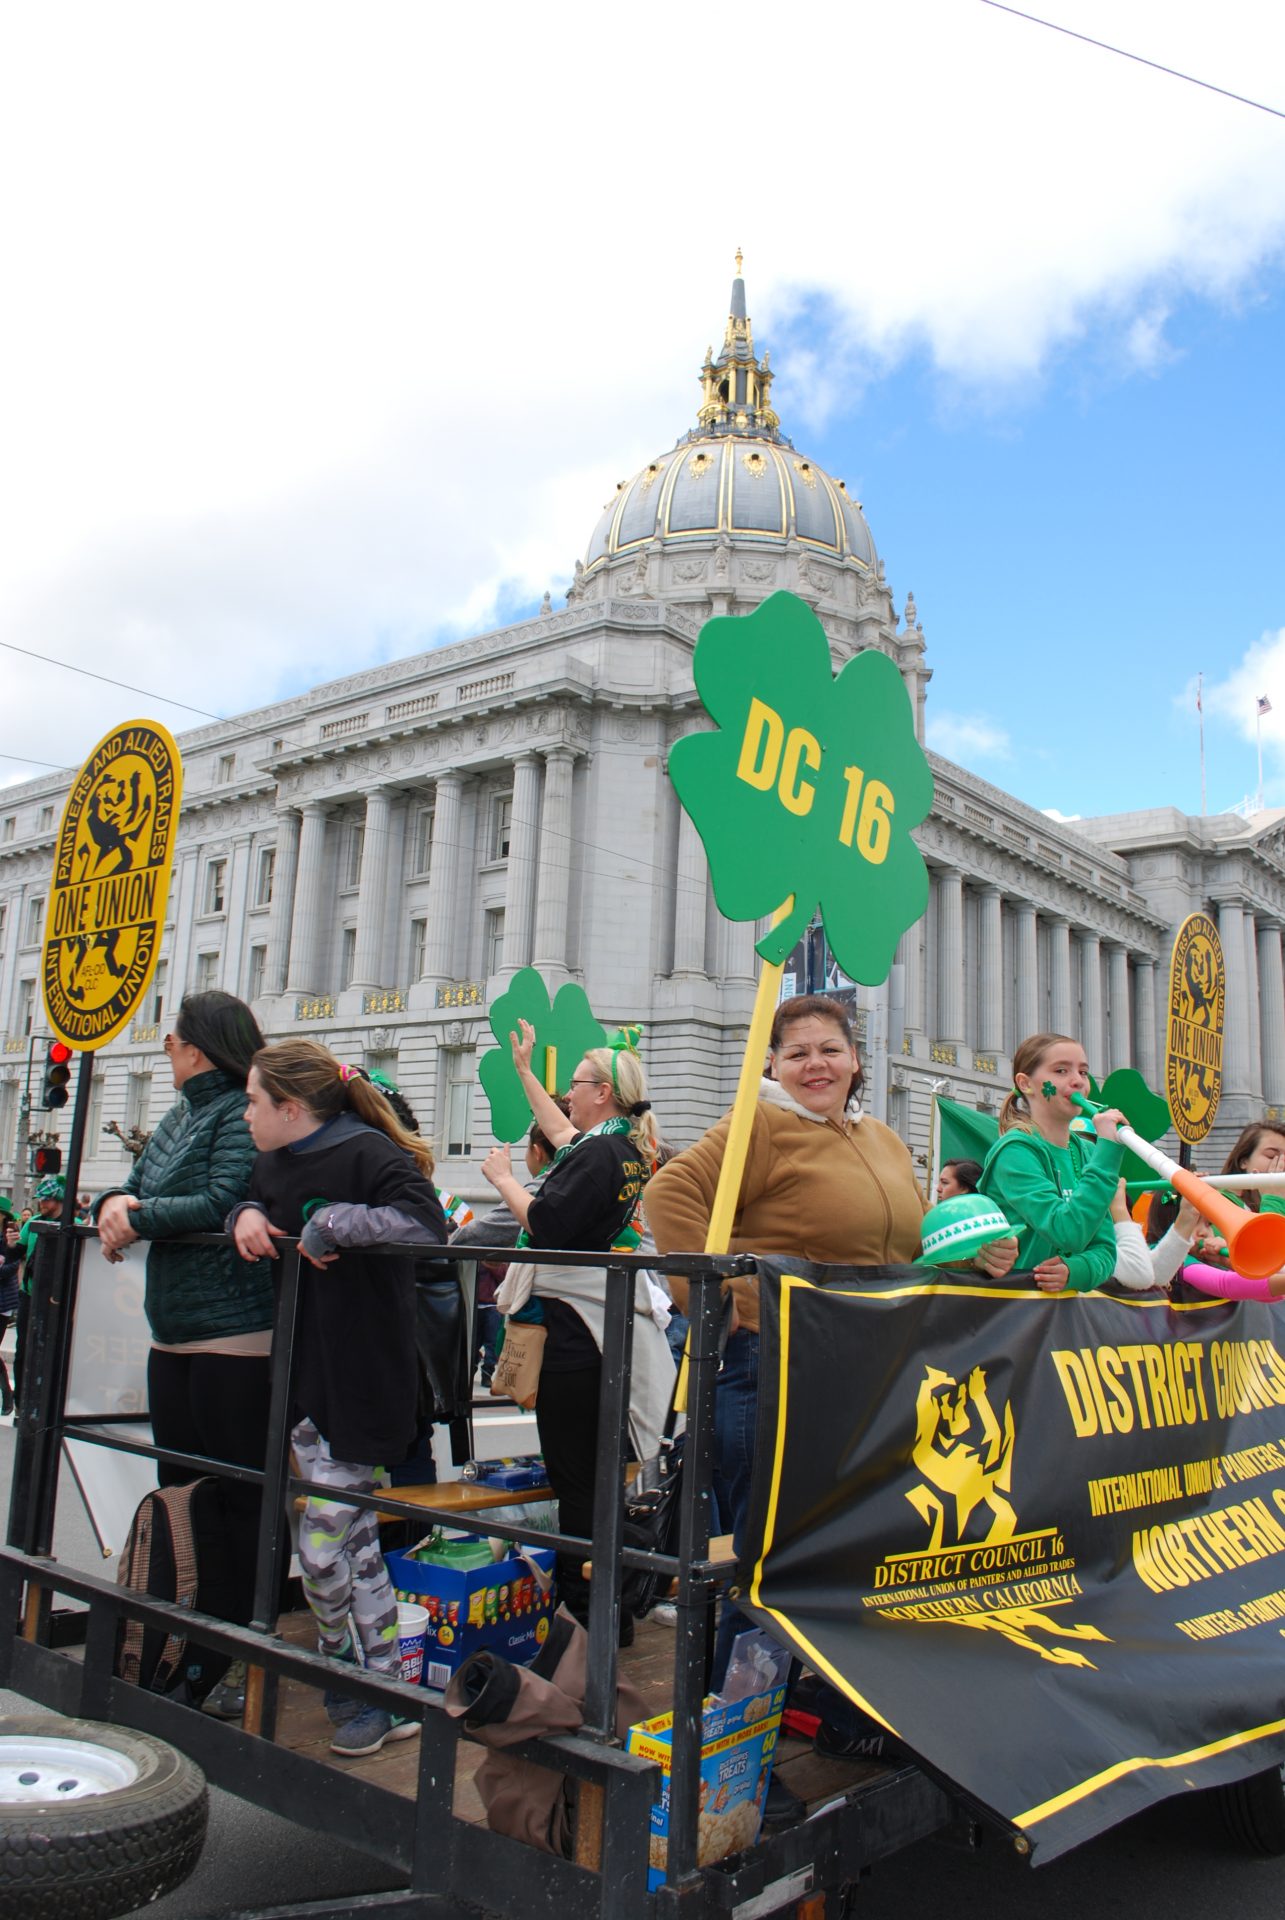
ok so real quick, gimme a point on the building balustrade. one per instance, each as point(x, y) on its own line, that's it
point(385, 1000)
point(318, 1006)
point(461, 993)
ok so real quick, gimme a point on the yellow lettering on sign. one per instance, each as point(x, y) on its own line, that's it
point(798, 794)
point(867, 816)
point(761, 747)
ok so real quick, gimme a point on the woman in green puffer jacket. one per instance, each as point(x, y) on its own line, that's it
point(210, 1313)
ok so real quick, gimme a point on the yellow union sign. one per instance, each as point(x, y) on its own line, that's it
point(110, 882)
point(1194, 1042)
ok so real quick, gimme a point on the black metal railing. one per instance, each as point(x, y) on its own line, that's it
point(441, 1855)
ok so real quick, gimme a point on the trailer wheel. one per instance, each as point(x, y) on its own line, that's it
point(1254, 1811)
point(94, 1820)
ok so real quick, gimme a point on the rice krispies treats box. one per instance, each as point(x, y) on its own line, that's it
point(738, 1742)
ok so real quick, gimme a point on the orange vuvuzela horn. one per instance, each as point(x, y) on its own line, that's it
point(1255, 1241)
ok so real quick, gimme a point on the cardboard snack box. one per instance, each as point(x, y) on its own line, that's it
point(738, 1742)
point(474, 1602)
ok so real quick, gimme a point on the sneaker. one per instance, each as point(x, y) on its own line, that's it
point(341, 1707)
point(227, 1700)
point(367, 1731)
point(666, 1614)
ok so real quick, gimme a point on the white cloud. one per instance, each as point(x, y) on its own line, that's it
point(335, 327)
point(966, 737)
point(1260, 674)
point(1063, 819)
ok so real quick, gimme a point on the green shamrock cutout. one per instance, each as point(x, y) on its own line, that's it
point(809, 787)
point(567, 1025)
point(1146, 1112)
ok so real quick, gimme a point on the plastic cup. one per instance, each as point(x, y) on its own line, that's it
point(412, 1625)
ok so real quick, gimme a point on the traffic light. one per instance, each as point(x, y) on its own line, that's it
point(57, 1073)
point(45, 1160)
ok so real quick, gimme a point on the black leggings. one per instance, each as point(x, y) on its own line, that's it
point(566, 1415)
point(217, 1405)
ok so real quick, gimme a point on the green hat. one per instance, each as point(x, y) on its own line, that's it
point(955, 1230)
point(52, 1187)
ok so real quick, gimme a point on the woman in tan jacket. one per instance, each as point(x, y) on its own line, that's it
point(822, 1181)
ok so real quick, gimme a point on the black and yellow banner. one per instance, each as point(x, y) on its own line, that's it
point(1041, 1539)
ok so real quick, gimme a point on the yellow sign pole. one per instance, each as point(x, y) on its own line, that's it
point(728, 1191)
point(551, 1071)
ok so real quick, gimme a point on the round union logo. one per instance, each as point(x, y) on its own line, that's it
point(110, 883)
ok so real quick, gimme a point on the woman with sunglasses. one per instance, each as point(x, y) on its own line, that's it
point(604, 1149)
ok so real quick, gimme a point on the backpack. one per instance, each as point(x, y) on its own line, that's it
point(161, 1558)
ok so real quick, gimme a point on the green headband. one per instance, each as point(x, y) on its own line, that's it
point(625, 1041)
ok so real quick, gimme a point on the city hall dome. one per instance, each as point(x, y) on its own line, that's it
point(735, 476)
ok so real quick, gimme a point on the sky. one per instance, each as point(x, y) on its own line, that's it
point(329, 331)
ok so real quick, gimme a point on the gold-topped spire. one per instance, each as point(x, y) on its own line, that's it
point(736, 386)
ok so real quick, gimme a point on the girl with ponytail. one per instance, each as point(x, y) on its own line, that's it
point(1056, 1185)
point(337, 1168)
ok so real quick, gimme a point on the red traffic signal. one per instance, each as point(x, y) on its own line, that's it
point(57, 1073)
point(46, 1160)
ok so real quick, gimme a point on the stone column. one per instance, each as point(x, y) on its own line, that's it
point(1148, 1061)
point(910, 954)
point(737, 959)
point(285, 868)
point(1231, 931)
point(304, 972)
point(1090, 1034)
point(1253, 1008)
point(182, 911)
point(444, 866)
point(519, 894)
point(1028, 973)
point(950, 955)
point(1118, 1008)
point(1271, 990)
point(990, 1006)
point(372, 897)
point(691, 888)
point(1059, 976)
point(234, 958)
point(553, 886)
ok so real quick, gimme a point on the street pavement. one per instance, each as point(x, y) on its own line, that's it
point(1170, 1863)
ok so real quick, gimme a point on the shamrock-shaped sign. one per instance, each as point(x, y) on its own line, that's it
point(564, 1033)
point(1146, 1112)
point(809, 788)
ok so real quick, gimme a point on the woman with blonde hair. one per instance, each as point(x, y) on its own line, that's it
point(605, 1146)
point(337, 1168)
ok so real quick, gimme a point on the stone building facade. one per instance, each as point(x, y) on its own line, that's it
point(371, 861)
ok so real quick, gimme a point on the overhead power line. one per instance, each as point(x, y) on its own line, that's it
point(107, 681)
point(1158, 66)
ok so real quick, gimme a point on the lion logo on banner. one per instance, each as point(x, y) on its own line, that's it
point(965, 1454)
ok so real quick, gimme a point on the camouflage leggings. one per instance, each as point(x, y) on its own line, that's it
point(342, 1569)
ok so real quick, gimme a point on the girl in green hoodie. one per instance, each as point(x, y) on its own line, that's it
point(1056, 1186)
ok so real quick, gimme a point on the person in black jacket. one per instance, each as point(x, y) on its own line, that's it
point(210, 1315)
point(337, 1168)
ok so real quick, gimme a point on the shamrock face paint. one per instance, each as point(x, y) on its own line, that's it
point(1049, 1090)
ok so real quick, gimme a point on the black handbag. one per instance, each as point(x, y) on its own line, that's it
point(651, 1504)
point(651, 1521)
